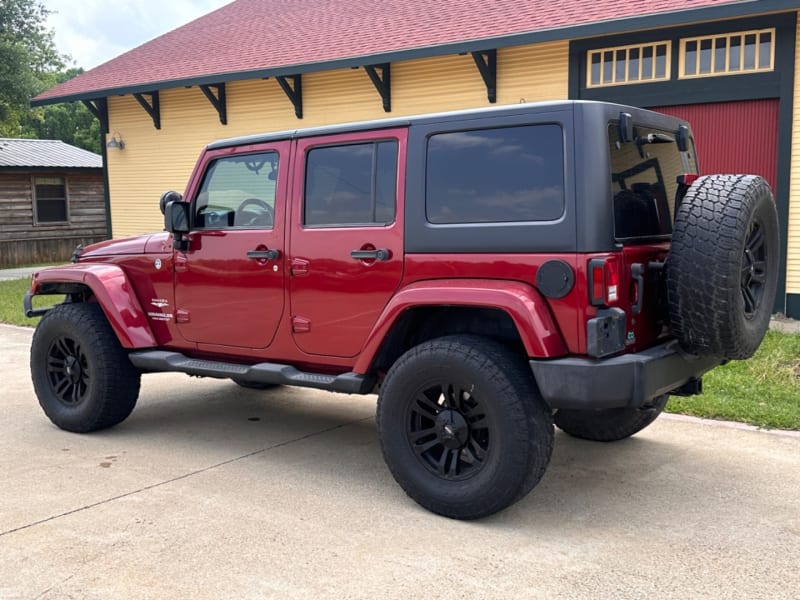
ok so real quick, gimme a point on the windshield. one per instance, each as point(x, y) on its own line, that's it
point(644, 181)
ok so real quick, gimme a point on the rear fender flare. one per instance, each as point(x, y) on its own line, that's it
point(113, 292)
point(527, 309)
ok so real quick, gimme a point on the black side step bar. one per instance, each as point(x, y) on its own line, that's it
point(160, 360)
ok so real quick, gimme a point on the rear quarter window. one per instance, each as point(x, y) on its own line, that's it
point(508, 174)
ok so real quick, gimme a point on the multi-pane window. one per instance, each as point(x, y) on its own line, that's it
point(637, 63)
point(353, 184)
point(728, 54)
point(51, 199)
point(510, 174)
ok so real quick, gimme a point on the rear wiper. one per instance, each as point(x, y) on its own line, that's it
point(653, 138)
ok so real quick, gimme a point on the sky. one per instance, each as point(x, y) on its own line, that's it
point(95, 31)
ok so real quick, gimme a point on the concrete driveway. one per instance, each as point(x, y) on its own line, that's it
point(211, 491)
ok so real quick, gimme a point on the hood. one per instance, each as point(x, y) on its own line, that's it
point(132, 245)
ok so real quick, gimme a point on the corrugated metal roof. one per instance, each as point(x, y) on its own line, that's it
point(46, 153)
point(258, 38)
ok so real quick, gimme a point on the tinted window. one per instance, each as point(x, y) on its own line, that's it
point(644, 182)
point(351, 185)
point(496, 175)
point(238, 191)
point(51, 200)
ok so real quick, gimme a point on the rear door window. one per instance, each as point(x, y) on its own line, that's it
point(351, 185)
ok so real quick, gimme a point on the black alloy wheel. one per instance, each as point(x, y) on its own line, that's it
point(754, 270)
point(68, 370)
point(81, 374)
point(449, 431)
point(462, 426)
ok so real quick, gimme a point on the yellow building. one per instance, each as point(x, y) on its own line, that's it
point(729, 67)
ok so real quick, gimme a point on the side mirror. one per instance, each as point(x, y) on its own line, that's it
point(176, 221)
point(166, 198)
point(176, 217)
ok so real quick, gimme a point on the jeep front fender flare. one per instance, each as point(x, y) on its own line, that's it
point(113, 292)
point(527, 309)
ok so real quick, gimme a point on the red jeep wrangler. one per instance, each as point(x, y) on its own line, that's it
point(488, 272)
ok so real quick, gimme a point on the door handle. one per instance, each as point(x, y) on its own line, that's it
point(273, 254)
point(377, 254)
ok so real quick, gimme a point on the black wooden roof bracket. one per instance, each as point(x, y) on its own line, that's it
point(486, 61)
point(382, 82)
point(99, 108)
point(153, 107)
point(217, 100)
point(294, 92)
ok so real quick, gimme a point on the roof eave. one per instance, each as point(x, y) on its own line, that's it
point(666, 19)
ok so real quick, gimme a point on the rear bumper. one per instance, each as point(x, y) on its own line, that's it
point(627, 380)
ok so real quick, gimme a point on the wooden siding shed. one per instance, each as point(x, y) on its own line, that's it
point(52, 198)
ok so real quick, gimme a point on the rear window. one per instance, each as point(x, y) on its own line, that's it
point(508, 174)
point(644, 181)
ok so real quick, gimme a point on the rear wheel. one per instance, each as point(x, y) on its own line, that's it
point(81, 373)
point(462, 426)
point(722, 272)
point(609, 425)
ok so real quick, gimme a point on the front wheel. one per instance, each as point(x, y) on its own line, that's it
point(462, 426)
point(81, 374)
point(610, 424)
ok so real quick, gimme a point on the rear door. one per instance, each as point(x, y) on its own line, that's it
point(229, 284)
point(346, 246)
point(644, 184)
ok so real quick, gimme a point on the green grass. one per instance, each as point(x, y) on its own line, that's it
point(11, 293)
point(762, 391)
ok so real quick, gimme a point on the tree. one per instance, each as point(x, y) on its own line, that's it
point(30, 64)
point(69, 122)
point(27, 56)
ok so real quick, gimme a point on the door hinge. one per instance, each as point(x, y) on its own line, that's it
point(181, 263)
point(301, 325)
point(298, 266)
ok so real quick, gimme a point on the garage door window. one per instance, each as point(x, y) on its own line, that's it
point(729, 54)
point(639, 63)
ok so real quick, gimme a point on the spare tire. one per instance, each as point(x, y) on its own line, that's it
point(722, 270)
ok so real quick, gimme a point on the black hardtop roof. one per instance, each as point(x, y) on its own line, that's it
point(533, 108)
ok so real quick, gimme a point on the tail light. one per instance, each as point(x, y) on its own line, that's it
point(603, 281)
point(684, 183)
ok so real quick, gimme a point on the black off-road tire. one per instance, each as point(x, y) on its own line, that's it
point(254, 385)
point(722, 271)
point(462, 426)
point(608, 425)
point(81, 374)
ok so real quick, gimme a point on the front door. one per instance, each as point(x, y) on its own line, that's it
point(229, 283)
point(346, 247)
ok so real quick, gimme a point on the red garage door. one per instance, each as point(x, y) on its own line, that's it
point(734, 137)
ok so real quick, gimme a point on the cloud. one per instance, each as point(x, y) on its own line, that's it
point(95, 31)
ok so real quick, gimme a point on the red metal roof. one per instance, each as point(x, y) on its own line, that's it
point(257, 38)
